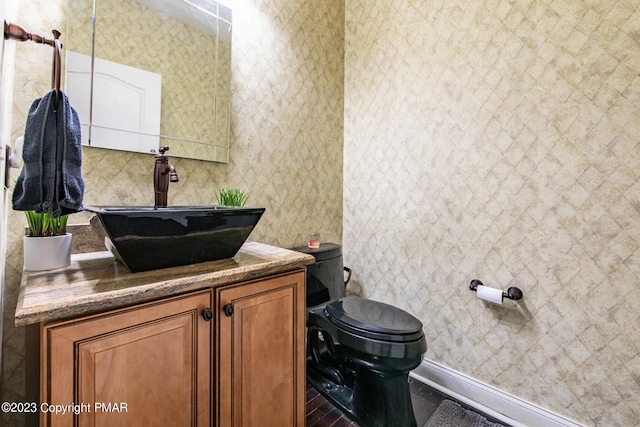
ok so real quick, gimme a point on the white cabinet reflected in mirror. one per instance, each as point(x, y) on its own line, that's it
point(146, 73)
point(124, 111)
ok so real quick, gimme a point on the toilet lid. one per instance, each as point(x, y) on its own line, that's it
point(374, 319)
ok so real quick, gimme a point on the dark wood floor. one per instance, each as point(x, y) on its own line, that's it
point(321, 413)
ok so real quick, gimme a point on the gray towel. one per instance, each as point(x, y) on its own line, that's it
point(51, 179)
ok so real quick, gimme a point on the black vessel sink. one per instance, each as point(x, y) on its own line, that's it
point(148, 238)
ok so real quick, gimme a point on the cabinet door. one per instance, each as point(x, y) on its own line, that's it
point(148, 365)
point(261, 353)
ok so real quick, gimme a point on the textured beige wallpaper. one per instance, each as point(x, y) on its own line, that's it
point(500, 140)
point(286, 137)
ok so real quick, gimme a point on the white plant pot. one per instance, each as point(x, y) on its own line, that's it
point(47, 253)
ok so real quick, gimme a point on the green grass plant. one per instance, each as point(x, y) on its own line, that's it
point(44, 224)
point(232, 197)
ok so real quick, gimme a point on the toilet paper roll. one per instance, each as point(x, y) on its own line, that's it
point(489, 294)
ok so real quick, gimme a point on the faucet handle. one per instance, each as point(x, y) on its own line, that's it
point(163, 150)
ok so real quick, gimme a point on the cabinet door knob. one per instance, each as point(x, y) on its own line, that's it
point(207, 314)
point(228, 310)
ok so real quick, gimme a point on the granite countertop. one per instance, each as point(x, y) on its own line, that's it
point(95, 282)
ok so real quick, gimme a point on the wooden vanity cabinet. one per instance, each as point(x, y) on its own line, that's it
point(227, 356)
point(260, 374)
point(148, 365)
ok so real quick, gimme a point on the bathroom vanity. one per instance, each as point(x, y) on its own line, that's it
point(213, 344)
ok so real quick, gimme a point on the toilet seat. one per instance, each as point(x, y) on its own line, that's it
point(373, 319)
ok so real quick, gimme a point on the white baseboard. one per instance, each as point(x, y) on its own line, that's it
point(494, 402)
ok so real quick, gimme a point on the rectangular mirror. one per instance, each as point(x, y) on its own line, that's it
point(146, 73)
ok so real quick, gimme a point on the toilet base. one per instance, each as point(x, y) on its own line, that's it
point(374, 400)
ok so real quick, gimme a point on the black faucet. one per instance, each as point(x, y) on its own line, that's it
point(163, 174)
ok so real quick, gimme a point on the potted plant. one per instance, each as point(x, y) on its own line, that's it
point(48, 245)
point(232, 197)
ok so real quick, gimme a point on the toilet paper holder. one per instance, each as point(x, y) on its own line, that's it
point(512, 293)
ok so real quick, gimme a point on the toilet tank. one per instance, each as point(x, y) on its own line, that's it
point(325, 277)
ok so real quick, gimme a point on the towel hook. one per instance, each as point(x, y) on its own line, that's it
point(57, 63)
point(19, 33)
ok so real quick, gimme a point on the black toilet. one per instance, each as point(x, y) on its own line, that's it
point(359, 351)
